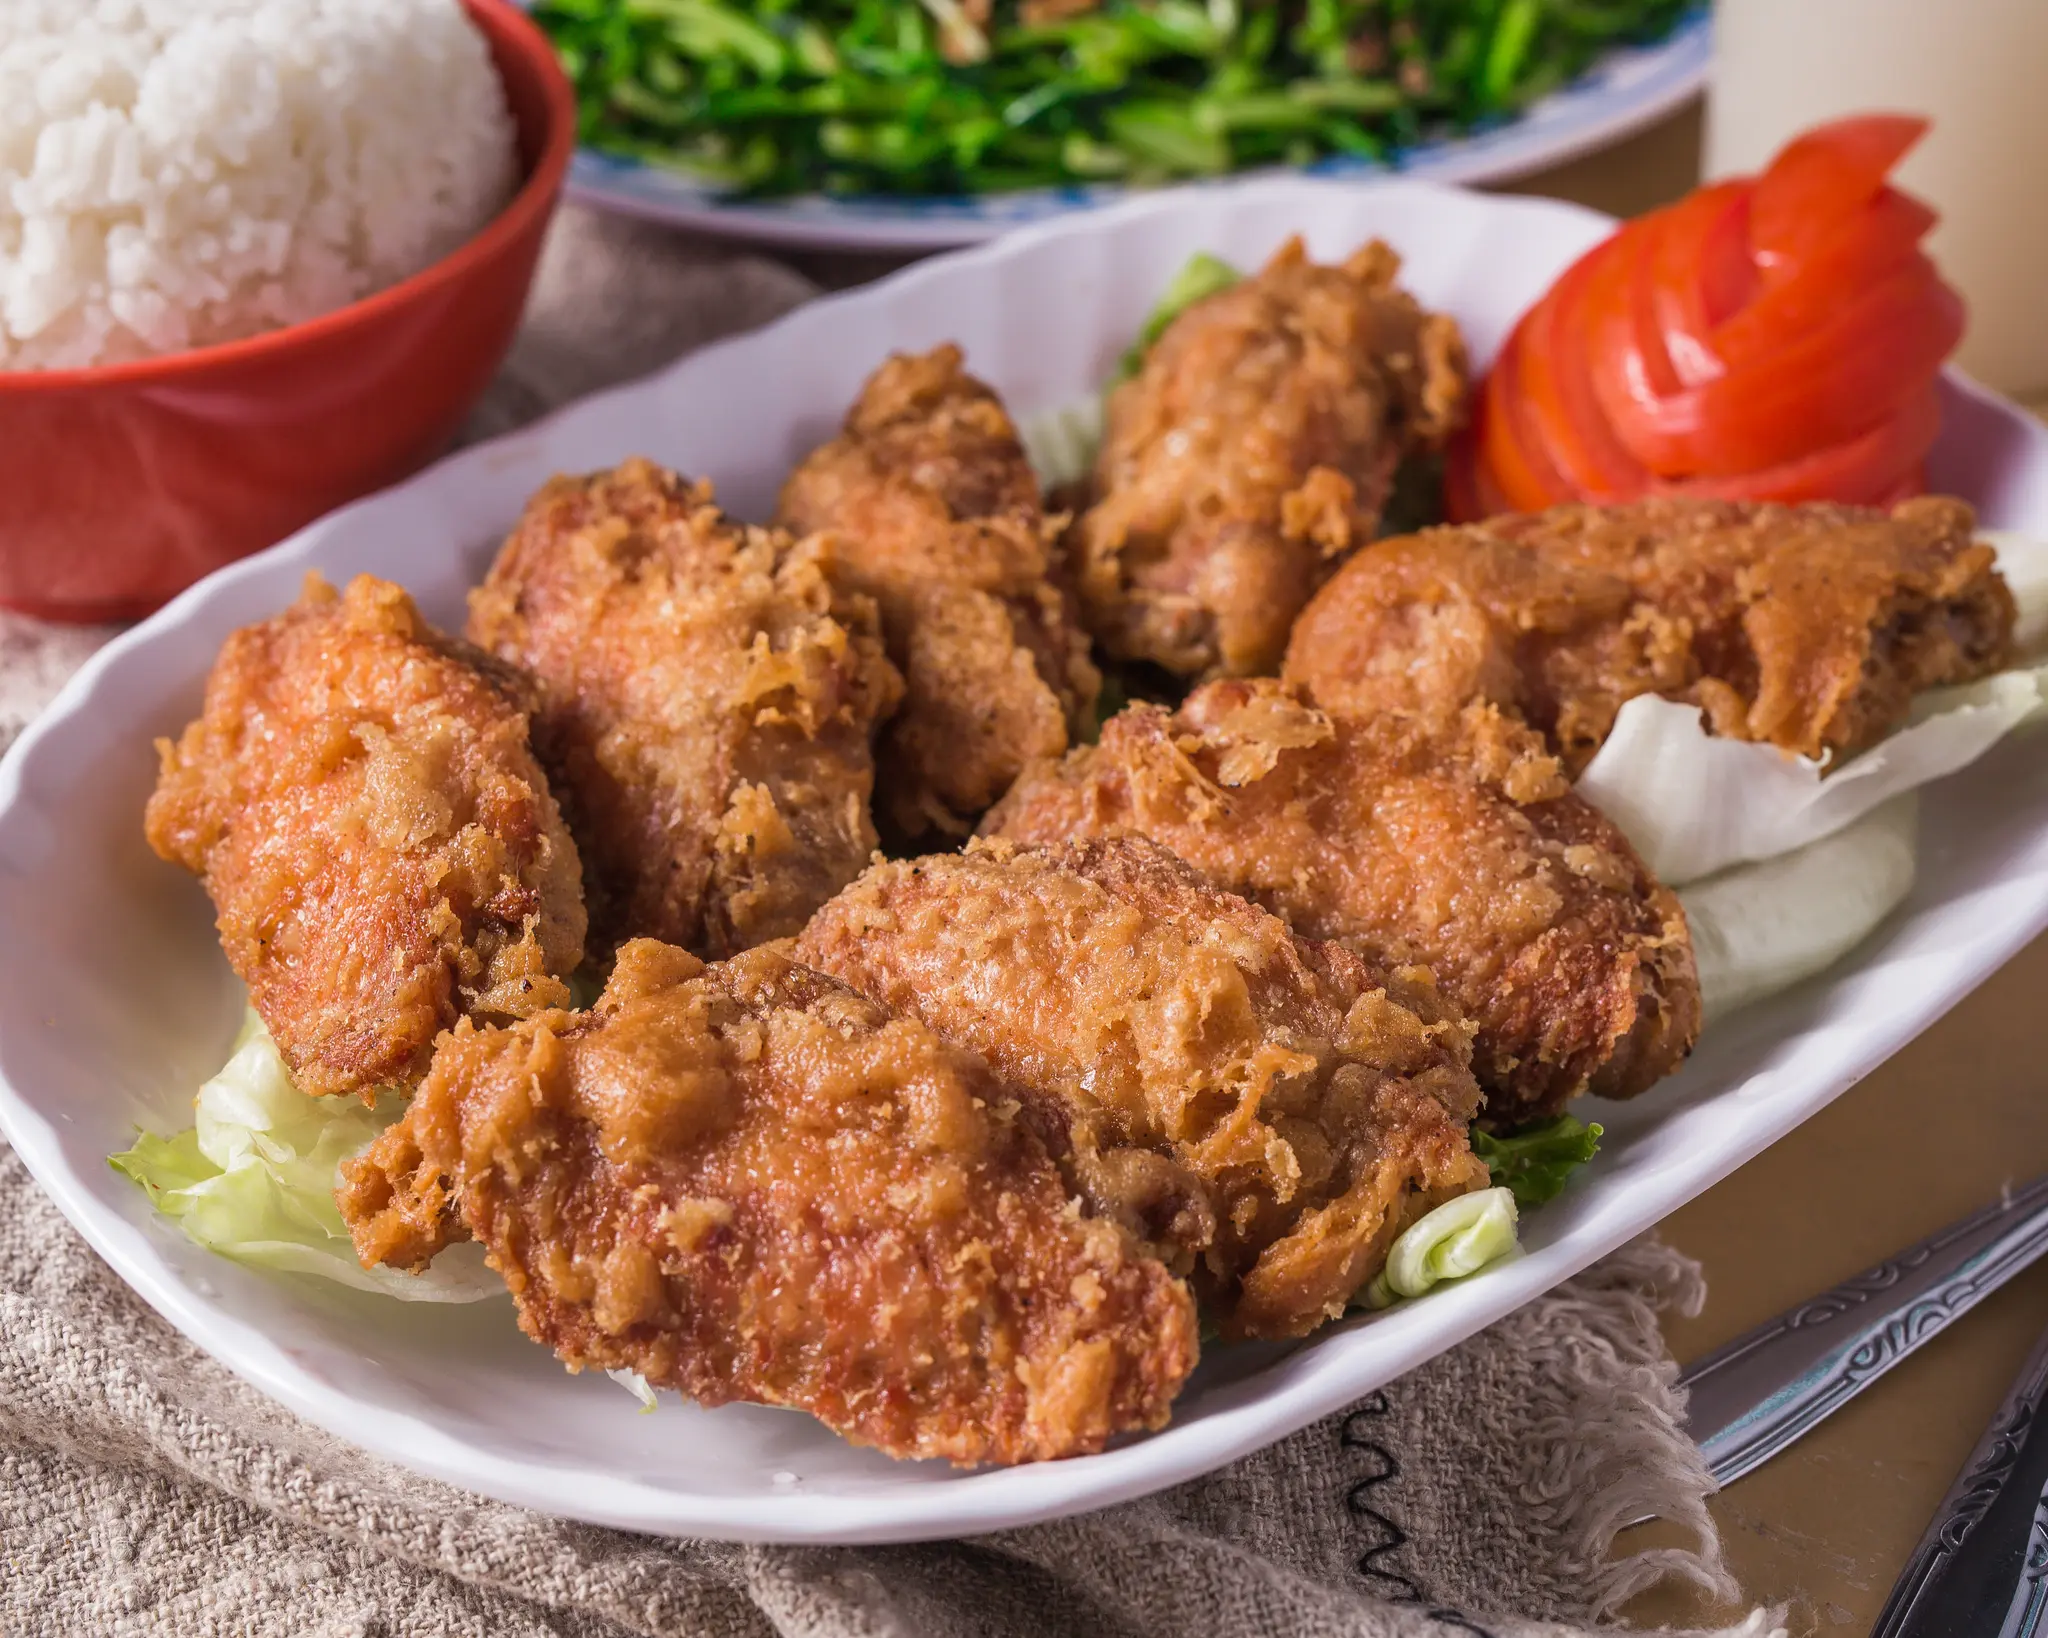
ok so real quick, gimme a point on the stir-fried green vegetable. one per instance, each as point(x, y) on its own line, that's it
point(965, 96)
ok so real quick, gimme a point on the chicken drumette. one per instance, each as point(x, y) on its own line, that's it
point(1458, 846)
point(707, 695)
point(1267, 1111)
point(747, 1182)
point(1252, 451)
point(1806, 627)
point(936, 515)
point(361, 800)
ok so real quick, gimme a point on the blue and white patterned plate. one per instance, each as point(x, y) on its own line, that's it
point(1623, 91)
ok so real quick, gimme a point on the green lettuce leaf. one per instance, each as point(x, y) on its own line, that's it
point(1537, 1161)
point(253, 1177)
point(1061, 444)
point(1201, 278)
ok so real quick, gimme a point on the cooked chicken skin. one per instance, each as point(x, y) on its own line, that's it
point(748, 1183)
point(937, 516)
point(1457, 846)
point(1260, 1108)
point(1806, 627)
point(707, 696)
point(1252, 451)
point(361, 800)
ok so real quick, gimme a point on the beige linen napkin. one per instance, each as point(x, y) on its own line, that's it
point(146, 1490)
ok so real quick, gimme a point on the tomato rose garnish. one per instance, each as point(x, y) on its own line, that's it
point(1769, 338)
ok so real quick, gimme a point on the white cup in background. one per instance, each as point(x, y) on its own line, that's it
point(1979, 70)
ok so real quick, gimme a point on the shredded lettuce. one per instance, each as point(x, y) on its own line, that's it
point(1457, 1239)
point(1763, 927)
point(1061, 444)
point(1535, 1162)
point(636, 1385)
point(1695, 805)
point(253, 1178)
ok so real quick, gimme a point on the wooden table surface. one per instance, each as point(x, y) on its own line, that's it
point(1930, 1136)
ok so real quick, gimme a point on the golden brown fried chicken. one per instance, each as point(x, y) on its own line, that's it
point(707, 696)
point(749, 1183)
point(937, 517)
point(1252, 452)
point(1457, 846)
point(361, 800)
point(1806, 627)
point(1263, 1109)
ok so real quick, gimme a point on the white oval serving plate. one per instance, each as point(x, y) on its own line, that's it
point(1622, 92)
point(115, 1001)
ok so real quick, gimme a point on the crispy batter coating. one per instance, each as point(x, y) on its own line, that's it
point(1258, 1106)
point(749, 1183)
point(361, 800)
point(1458, 846)
point(1807, 627)
point(938, 518)
point(707, 696)
point(1252, 452)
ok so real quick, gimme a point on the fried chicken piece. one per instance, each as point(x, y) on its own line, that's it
point(1265, 1110)
point(1456, 846)
point(707, 696)
point(1806, 627)
point(747, 1182)
point(361, 800)
point(937, 517)
point(1252, 452)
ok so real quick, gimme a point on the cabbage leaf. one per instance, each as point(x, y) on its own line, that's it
point(1763, 927)
point(253, 1178)
point(1061, 444)
point(1695, 804)
point(1455, 1240)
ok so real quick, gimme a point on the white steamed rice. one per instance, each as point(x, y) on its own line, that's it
point(178, 173)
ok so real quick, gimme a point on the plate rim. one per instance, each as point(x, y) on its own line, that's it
point(964, 1505)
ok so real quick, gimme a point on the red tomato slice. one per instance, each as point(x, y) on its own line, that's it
point(1866, 471)
point(1517, 467)
point(1626, 365)
point(1727, 272)
point(1560, 411)
point(1834, 382)
point(1649, 358)
point(1697, 270)
point(1868, 247)
point(1820, 177)
point(1777, 339)
point(1876, 468)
